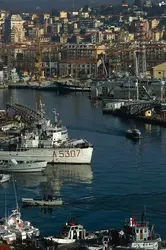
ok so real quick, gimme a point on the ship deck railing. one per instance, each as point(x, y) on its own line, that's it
point(40, 146)
point(138, 223)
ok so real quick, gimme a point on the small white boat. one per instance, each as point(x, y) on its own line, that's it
point(133, 133)
point(4, 178)
point(22, 229)
point(42, 202)
point(21, 167)
point(6, 235)
point(70, 233)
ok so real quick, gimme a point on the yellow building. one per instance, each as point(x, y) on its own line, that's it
point(154, 23)
point(46, 16)
point(63, 14)
point(34, 16)
point(41, 31)
point(157, 35)
point(100, 49)
point(148, 113)
point(159, 71)
point(131, 37)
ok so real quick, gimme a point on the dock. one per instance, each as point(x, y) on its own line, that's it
point(161, 121)
point(140, 110)
point(3, 86)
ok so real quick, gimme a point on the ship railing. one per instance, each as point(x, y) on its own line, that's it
point(137, 223)
point(157, 236)
point(67, 146)
point(22, 149)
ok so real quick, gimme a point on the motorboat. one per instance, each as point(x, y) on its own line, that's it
point(14, 223)
point(133, 133)
point(22, 229)
point(4, 178)
point(70, 233)
point(140, 235)
point(135, 235)
point(48, 202)
point(6, 235)
point(22, 167)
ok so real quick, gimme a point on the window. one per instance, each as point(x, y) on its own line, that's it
point(159, 72)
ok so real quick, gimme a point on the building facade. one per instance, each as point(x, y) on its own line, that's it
point(14, 30)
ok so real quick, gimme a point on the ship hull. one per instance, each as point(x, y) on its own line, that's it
point(51, 155)
point(24, 167)
point(65, 88)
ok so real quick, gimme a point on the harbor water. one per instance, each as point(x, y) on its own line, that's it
point(124, 176)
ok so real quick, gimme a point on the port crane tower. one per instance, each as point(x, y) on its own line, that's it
point(38, 57)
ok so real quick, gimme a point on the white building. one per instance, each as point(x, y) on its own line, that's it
point(1, 76)
point(14, 31)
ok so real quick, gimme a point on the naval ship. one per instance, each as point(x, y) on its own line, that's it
point(43, 141)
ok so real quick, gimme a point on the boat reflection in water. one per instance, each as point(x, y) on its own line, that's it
point(57, 175)
point(54, 177)
point(77, 173)
point(29, 179)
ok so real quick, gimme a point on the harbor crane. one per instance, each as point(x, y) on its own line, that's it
point(38, 58)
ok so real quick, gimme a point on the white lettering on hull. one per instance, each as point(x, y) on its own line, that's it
point(66, 153)
point(144, 245)
point(76, 156)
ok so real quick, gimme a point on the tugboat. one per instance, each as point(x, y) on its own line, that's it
point(139, 234)
point(133, 134)
point(71, 232)
point(135, 235)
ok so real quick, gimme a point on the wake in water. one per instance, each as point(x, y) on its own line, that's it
point(155, 203)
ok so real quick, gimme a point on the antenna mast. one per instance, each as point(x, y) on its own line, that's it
point(5, 204)
point(74, 5)
point(15, 194)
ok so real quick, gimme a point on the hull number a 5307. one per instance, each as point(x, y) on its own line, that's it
point(67, 153)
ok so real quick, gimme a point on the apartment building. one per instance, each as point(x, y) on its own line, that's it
point(80, 59)
point(77, 67)
point(81, 51)
point(14, 30)
point(125, 58)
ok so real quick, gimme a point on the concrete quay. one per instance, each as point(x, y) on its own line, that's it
point(3, 86)
point(152, 112)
